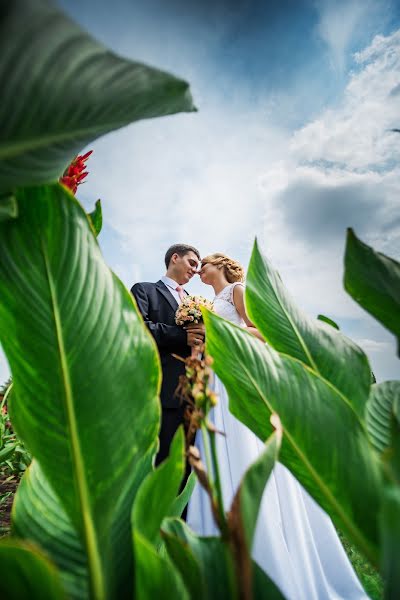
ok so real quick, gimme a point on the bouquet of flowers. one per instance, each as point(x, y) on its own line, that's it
point(189, 311)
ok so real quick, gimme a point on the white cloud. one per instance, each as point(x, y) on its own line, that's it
point(373, 345)
point(340, 170)
point(221, 176)
point(357, 134)
point(342, 22)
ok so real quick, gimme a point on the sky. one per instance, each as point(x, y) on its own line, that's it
point(291, 143)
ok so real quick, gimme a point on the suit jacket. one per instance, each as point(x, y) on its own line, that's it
point(158, 306)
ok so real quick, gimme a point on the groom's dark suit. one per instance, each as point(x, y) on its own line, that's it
point(158, 306)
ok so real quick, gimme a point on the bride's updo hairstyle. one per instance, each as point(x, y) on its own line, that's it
point(233, 271)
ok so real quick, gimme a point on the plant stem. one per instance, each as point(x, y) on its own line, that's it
point(207, 454)
point(218, 488)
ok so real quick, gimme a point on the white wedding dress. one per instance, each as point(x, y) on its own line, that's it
point(295, 542)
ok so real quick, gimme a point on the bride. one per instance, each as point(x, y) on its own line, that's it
point(295, 541)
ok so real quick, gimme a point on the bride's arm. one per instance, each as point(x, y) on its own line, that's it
point(238, 300)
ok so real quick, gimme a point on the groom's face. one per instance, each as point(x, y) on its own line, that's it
point(185, 267)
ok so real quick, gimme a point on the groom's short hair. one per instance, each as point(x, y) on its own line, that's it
point(180, 249)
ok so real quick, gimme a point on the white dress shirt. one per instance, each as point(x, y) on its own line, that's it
point(171, 285)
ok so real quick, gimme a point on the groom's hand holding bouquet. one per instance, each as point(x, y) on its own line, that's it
point(190, 317)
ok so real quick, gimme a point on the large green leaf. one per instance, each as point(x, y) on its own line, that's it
point(8, 207)
point(247, 500)
point(328, 320)
point(85, 369)
point(154, 573)
point(263, 587)
point(383, 406)
point(325, 445)
point(373, 280)
point(26, 573)
point(214, 564)
point(182, 557)
point(158, 492)
point(207, 568)
point(38, 516)
point(155, 576)
point(96, 218)
point(61, 89)
point(390, 528)
point(315, 343)
point(243, 516)
point(180, 502)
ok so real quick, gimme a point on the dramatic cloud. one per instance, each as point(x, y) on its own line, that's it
point(264, 155)
point(344, 23)
point(340, 170)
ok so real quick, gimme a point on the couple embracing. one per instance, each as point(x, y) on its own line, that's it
point(295, 542)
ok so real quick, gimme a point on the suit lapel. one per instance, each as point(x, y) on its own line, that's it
point(162, 288)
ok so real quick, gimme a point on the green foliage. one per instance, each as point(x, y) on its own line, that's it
point(40, 517)
point(342, 475)
point(81, 357)
point(77, 349)
point(342, 434)
point(328, 320)
point(14, 457)
point(155, 573)
point(328, 353)
point(222, 567)
point(373, 280)
point(8, 207)
point(209, 560)
point(390, 526)
point(27, 573)
point(96, 218)
point(66, 90)
point(246, 503)
point(368, 575)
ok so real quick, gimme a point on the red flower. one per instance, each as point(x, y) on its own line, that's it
point(75, 173)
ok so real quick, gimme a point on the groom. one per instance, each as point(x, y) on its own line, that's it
point(157, 303)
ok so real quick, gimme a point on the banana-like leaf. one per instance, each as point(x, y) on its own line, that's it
point(242, 519)
point(316, 344)
point(158, 492)
point(383, 406)
point(390, 530)
point(182, 557)
point(26, 573)
point(328, 320)
point(246, 503)
point(96, 218)
point(85, 369)
point(61, 89)
point(263, 587)
point(207, 568)
point(155, 576)
point(211, 555)
point(38, 516)
point(373, 280)
point(182, 500)
point(325, 444)
point(8, 207)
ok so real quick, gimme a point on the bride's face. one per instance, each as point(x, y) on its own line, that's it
point(208, 273)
